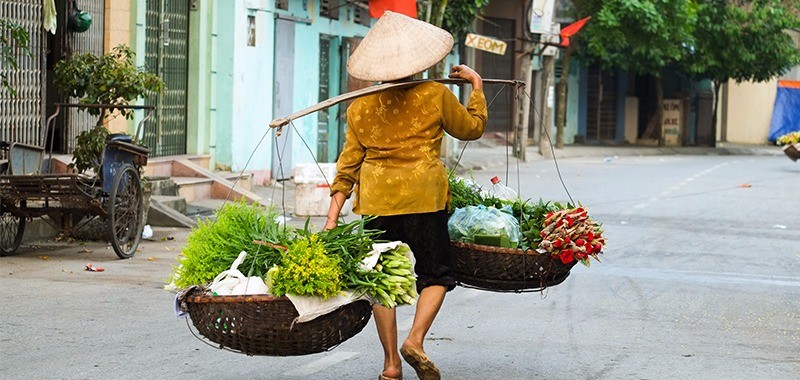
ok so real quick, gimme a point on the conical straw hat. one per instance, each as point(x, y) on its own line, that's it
point(397, 47)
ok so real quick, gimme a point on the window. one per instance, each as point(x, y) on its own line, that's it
point(361, 13)
point(282, 4)
point(330, 8)
point(324, 93)
point(251, 30)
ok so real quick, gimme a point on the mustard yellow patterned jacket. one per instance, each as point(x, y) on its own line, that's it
point(392, 148)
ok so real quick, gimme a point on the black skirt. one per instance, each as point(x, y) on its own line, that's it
point(426, 234)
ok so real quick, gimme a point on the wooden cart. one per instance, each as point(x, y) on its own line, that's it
point(68, 201)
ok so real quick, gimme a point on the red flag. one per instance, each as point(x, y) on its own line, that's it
point(571, 29)
point(406, 7)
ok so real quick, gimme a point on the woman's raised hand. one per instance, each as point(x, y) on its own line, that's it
point(465, 72)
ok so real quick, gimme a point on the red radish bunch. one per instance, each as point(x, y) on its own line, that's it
point(571, 235)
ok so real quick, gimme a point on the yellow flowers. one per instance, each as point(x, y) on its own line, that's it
point(307, 270)
point(789, 138)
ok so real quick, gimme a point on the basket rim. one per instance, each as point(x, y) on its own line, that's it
point(495, 249)
point(208, 298)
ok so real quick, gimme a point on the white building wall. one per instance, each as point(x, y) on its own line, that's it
point(749, 111)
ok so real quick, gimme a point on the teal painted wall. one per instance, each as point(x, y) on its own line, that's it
point(253, 92)
point(307, 70)
point(223, 85)
point(242, 81)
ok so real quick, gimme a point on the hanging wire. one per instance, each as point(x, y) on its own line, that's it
point(522, 140)
point(553, 152)
point(279, 152)
point(464, 148)
point(508, 135)
point(546, 130)
point(246, 164)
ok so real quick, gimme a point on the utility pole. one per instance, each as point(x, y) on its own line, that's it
point(541, 24)
point(545, 148)
point(524, 103)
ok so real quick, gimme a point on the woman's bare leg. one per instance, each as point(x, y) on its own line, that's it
point(386, 322)
point(428, 305)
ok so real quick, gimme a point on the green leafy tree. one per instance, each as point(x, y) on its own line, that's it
point(460, 15)
point(743, 41)
point(455, 16)
point(111, 78)
point(14, 41)
point(639, 36)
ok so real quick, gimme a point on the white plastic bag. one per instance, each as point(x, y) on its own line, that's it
point(233, 283)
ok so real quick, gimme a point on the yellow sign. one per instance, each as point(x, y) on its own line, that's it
point(485, 43)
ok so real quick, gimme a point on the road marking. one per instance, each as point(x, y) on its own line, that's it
point(321, 364)
point(674, 188)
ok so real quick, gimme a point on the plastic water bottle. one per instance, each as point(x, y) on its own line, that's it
point(501, 191)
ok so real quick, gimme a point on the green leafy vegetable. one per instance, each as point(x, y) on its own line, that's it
point(212, 246)
point(465, 192)
point(531, 218)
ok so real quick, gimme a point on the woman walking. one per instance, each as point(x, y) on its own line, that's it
point(390, 165)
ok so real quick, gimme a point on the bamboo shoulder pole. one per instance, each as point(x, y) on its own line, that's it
point(280, 122)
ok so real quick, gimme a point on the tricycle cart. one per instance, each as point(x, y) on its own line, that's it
point(68, 201)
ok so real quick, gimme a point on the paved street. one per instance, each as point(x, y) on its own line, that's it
point(700, 279)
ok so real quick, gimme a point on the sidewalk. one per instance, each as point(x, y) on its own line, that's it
point(482, 155)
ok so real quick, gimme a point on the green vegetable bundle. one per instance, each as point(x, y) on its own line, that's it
point(294, 261)
point(391, 282)
point(531, 216)
point(213, 245)
point(465, 192)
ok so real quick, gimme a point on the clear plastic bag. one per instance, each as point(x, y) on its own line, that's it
point(469, 221)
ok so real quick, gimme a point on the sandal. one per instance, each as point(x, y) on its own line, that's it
point(423, 365)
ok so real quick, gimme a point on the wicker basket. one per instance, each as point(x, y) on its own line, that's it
point(263, 324)
point(505, 269)
point(792, 151)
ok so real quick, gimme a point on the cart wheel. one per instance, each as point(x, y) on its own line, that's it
point(11, 230)
point(125, 212)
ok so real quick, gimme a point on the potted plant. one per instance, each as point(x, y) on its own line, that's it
point(111, 79)
point(790, 143)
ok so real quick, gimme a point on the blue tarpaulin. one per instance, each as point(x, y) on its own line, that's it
point(786, 113)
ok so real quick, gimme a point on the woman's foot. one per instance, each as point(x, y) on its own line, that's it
point(423, 365)
point(391, 374)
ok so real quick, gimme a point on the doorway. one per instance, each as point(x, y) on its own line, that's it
point(167, 55)
point(601, 108)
